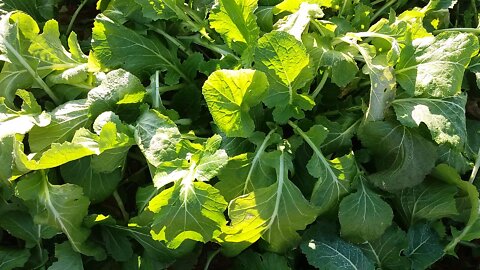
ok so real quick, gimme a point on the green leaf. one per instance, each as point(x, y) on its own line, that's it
point(157, 137)
point(188, 210)
point(296, 23)
point(21, 225)
point(158, 9)
point(84, 143)
point(445, 118)
point(117, 244)
point(363, 215)
point(61, 206)
point(427, 201)
point(12, 258)
point(247, 172)
point(451, 177)
point(49, 49)
point(333, 176)
point(65, 120)
point(20, 122)
point(293, 5)
point(287, 65)
point(230, 94)
point(250, 260)
point(274, 213)
point(116, 46)
point(235, 22)
point(97, 186)
point(434, 66)
point(118, 87)
point(327, 251)
point(340, 133)
point(403, 158)
point(67, 258)
point(386, 251)
point(343, 66)
point(424, 246)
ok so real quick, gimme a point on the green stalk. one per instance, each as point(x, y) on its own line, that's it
point(475, 168)
point(210, 258)
point(382, 9)
point(175, 41)
point(121, 206)
point(319, 87)
point(75, 15)
point(465, 30)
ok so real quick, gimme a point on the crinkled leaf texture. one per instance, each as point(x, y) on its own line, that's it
point(434, 66)
point(235, 21)
point(230, 94)
point(287, 65)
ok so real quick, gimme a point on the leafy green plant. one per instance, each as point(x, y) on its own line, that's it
point(278, 134)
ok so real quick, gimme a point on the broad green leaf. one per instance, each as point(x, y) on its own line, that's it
point(424, 247)
point(118, 87)
point(158, 9)
point(188, 210)
point(21, 225)
point(235, 21)
point(13, 258)
point(274, 213)
point(287, 65)
point(67, 258)
point(296, 23)
point(117, 244)
point(363, 215)
point(7, 150)
point(450, 176)
point(382, 81)
point(61, 206)
point(325, 250)
point(65, 120)
point(32, 7)
point(153, 248)
point(49, 49)
point(434, 66)
point(343, 66)
point(250, 260)
point(20, 122)
point(144, 195)
point(454, 158)
point(427, 201)
point(97, 186)
point(333, 176)
point(230, 94)
point(194, 161)
point(403, 158)
point(294, 5)
point(84, 143)
point(157, 137)
point(116, 46)
point(445, 118)
point(387, 250)
point(340, 133)
point(247, 172)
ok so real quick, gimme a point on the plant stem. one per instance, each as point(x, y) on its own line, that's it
point(197, 40)
point(210, 258)
point(121, 206)
point(169, 38)
point(382, 9)
point(75, 15)
point(320, 85)
point(156, 94)
point(167, 88)
point(475, 168)
point(465, 30)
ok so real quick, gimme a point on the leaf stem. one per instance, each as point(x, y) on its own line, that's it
point(210, 258)
point(458, 29)
point(197, 40)
point(32, 72)
point(320, 85)
point(156, 94)
point(121, 206)
point(175, 41)
point(382, 9)
point(75, 15)
point(475, 168)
